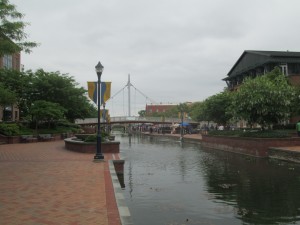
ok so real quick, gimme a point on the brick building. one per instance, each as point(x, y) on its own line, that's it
point(10, 112)
point(150, 109)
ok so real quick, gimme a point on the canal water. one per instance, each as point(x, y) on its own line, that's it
point(169, 183)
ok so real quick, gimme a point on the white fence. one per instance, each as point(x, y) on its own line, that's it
point(131, 119)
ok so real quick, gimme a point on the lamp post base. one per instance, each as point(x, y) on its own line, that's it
point(98, 158)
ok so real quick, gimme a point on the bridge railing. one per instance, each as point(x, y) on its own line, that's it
point(132, 119)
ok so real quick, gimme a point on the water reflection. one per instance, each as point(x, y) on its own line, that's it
point(170, 183)
point(263, 191)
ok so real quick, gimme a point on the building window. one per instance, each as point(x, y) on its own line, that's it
point(7, 61)
point(284, 69)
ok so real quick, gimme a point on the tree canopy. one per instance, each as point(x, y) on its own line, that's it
point(7, 97)
point(264, 100)
point(46, 111)
point(53, 87)
point(12, 34)
point(214, 108)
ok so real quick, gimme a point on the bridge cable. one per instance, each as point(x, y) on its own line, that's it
point(151, 100)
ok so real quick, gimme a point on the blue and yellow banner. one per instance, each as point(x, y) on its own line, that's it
point(105, 91)
point(92, 90)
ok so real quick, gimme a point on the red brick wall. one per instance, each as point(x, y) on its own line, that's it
point(119, 166)
point(247, 146)
point(157, 108)
point(106, 147)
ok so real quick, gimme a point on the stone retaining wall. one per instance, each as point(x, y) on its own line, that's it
point(90, 147)
point(286, 155)
point(257, 147)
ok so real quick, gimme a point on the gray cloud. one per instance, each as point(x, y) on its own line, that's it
point(175, 50)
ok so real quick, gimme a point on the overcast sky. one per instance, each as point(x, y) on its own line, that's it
point(174, 50)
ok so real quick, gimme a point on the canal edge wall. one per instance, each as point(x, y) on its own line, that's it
point(275, 148)
point(257, 147)
point(114, 168)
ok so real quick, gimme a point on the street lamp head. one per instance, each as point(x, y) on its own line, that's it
point(99, 69)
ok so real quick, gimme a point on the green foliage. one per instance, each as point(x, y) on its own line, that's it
point(43, 110)
point(214, 108)
point(93, 138)
point(142, 113)
point(48, 86)
point(264, 100)
point(266, 134)
point(197, 112)
point(9, 129)
point(7, 97)
point(295, 109)
point(20, 84)
point(251, 133)
point(289, 126)
point(61, 89)
point(12, 35)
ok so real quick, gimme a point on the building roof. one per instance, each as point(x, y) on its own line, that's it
point(251, 59)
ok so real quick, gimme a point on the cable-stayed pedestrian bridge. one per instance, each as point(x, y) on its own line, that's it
point(133, 119)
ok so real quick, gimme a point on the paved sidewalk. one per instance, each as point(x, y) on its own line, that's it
point(43, 183)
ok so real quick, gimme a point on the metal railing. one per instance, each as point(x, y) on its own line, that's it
point(132, 119)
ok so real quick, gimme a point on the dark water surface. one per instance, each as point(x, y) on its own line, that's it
point(169, 183)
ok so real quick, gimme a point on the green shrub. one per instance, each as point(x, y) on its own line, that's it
point(266, 134)
point(9, 129)
point(93, 138)
point(251, 133)
point(225, 132)
point(289, 126)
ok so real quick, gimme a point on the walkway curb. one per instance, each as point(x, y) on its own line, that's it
point(122, 207)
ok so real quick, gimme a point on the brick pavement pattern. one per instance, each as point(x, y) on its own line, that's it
point(43, 183)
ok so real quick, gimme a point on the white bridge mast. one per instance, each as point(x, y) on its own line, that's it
point(129, 102)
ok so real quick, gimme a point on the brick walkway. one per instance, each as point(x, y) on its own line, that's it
point(43, 183)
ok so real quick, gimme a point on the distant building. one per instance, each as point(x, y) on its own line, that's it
point(150, 109)
point(10, 112)
point(256, 63)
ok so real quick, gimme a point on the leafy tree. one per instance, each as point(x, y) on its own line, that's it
point(92, 111)
point(61, 89)
point(20, 84)
point(264, 100)
point(7, 97)
point(182, 109)
point(142, 113)
point(295, 108)
point(171, 113)
point(46, 111)
point(198, 112)
point(12, 35)
point(49, 86)
point(217, 107)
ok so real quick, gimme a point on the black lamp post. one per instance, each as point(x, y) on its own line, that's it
point(99, 155)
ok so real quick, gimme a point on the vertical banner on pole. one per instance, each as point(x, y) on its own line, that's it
point(92, 90)
point(105, 89)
